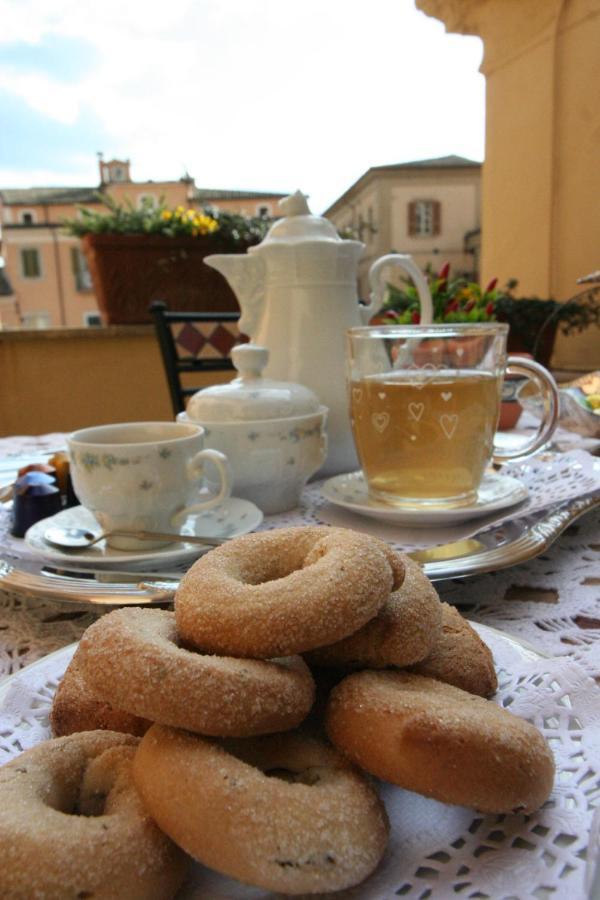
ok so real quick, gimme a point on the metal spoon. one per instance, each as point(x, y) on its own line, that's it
point(74, 539)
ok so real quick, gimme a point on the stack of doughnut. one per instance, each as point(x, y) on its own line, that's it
point(201, 733)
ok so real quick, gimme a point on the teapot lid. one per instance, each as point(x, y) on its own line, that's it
point(298, 224)
point(250, 397)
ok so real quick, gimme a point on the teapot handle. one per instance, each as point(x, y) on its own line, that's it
point(377, 284)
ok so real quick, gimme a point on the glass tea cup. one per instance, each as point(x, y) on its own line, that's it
point(424, 405)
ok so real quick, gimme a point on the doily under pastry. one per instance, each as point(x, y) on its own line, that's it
point(435, 850)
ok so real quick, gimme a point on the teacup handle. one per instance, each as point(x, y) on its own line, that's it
point(195, 471)
point(546, 384)
point(378, 285)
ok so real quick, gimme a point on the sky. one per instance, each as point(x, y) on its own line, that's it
point(242, 94)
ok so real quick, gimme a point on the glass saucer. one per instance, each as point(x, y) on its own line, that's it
point(231, 519)
point(496, 492)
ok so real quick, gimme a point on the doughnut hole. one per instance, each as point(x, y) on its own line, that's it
point(72, 825)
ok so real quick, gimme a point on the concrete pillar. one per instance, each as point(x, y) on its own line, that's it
point(541, 176)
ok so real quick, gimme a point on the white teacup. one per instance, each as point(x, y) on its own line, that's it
point(144, 476)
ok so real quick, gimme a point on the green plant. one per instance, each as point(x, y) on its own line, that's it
point(459, 300)
point(531, 318)
point(225, 228)
point(454, 300)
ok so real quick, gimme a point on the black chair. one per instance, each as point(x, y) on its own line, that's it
point(193, 342)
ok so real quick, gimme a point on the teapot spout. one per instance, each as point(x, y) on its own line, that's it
point(246, 277)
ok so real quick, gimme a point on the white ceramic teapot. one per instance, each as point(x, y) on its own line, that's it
point(297, 291)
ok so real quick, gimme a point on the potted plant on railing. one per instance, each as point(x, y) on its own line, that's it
point(533, 323)
point(138, 255)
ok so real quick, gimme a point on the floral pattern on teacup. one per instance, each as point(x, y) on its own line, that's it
point(109, 461)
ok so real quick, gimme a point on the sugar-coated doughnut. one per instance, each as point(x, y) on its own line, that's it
point(285, 813)
point(77, 708)
point(404, 630)
point(460, 657)
point(285, 591)
point(437, 740)
point(72, 825)
point(131, 658)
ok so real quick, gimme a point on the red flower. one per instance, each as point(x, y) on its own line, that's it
point(489, 309)
point(491, 286)
point(443, 277)
point(416, 318)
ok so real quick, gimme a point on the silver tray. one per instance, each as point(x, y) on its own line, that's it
point(498, 548)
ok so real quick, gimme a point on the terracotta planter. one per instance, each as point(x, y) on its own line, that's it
point(129, 271)
point(510, 409)
point(465, 351)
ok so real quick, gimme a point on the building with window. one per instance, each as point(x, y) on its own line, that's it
point(429, 208)
point(46, 269)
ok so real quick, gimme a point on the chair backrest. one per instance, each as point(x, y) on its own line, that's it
point(193, 342)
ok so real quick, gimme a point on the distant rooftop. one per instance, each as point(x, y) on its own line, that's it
point(49, 195)
point(215, 194)
point(52, 195)
point(438, 162)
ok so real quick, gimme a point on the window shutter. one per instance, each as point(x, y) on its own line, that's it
point(75, 261)
point(437, 217)
point(412, 218)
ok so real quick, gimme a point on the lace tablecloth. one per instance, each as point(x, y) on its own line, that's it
point(552, 602)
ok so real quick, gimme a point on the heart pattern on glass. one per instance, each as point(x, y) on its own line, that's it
point(380, 421)
point(446, 395)
point(426, 373)
point(449, 423)
point(382, 395)
point(357, 394)
point(415, 411)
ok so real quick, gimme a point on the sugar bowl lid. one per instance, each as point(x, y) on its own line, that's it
point(250, 396)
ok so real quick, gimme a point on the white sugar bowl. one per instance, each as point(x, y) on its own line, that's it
point(272, 432)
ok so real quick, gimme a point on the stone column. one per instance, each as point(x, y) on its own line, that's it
point(541, 177)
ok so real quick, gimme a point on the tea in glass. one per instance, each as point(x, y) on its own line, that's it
point(425, 440)
point(424, 404)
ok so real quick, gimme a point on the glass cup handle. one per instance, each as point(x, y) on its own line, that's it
point(546, 384)
point(377, 284)
point(195, 469)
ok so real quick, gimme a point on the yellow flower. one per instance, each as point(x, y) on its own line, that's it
point(166, 215)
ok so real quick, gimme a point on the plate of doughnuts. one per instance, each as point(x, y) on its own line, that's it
point(308, 697)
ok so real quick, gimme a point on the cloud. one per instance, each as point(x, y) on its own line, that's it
point(264, 95)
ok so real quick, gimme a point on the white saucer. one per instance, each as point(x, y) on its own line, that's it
point(496, 492)
point(233, 518)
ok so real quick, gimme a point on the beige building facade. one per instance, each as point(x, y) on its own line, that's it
point(45, 282)
point(427, 208)
point(541, 180)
